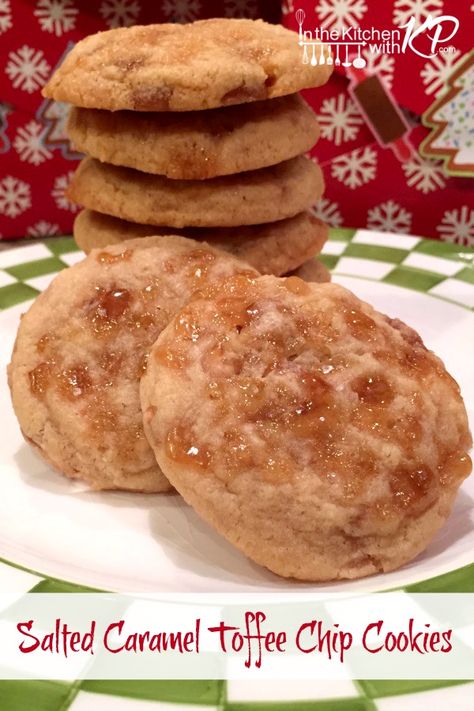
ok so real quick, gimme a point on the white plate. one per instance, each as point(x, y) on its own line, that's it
point(130, 542)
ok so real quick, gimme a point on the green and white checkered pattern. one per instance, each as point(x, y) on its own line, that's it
point(441, 270)
point(123, 695)
point(27, 270)
point(437, 268)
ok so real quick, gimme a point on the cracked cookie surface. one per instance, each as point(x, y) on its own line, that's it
point(319, 436)
point(251, 198)
point(174, 67)
point(197, 145)
point(83, 345)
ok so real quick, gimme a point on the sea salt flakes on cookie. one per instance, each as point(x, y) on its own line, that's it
point(317, 435)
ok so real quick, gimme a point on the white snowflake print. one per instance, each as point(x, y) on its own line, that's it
point(340, 14)
point(287, 7)
point(56, 114)
point(404, 10)
point(424, 175)
point(328, 212)
point(181, 10)
point(27, 69)
point(380, 64)
point(29, 143)
point(339, 119)
point(436, 71)
point(56, 16)
point(389, 217)
point(15, 196)
point(119, 13)
point(58, 192)
point(240, 8)
point(5, 16)
point(355, 168)
point(458, 226)
point(42, 229)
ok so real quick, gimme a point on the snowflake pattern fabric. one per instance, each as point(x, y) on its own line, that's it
point(436, 71)
point(240, 8)
point(404, 10)
point(56, 16)
point(389, 217)
point(15, 196)
point(29, 144)
point(328, 212)
point(381, 64)
point(36, 158)
point(5, 16)
point(181, 10)
point(424, 175)
point(119, 13)
point(339, 119)
point(42, 229)
point(356, 168)
point(340, 14)
point(365, 184)
point(458, 226)
point(27, 69)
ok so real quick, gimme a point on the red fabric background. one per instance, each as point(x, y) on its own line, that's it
point(42, 207)
point(439, 206)
point(36, 161)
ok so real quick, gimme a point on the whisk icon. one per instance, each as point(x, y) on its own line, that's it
point(300, 15)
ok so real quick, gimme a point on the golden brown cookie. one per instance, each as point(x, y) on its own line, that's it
point(264, 195)
point(83, 345)
point(313, 271)
point(173, 67)
point(319, 436)
point(273, 248)
point(198, 144)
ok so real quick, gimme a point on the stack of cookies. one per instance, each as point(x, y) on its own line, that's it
point(197, 130)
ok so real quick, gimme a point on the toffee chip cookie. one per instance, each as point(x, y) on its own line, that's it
point(317, 435)
point(273, 248)
point(264, 195)
point(174, 67)
point(199, 144)
point(82, 347)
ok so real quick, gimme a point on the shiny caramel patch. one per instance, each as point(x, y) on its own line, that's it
point(105, 257)
point(309, 386)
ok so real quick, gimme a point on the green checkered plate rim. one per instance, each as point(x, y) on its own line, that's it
point(441, 270)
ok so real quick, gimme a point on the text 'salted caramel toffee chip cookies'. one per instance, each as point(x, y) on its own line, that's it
point(251, 198)
point(273, 248)
point(83, 345)
point(317, 435)
point(175, 67)
point(199, 144)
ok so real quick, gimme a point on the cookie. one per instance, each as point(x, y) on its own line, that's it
point(264, 195)
point(273, 248)
point(319, 436)
point(198, 144)
point(313, 271)
point(173, 67)
point(83, 345)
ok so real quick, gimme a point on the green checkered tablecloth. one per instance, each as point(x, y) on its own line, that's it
point(445, 271)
